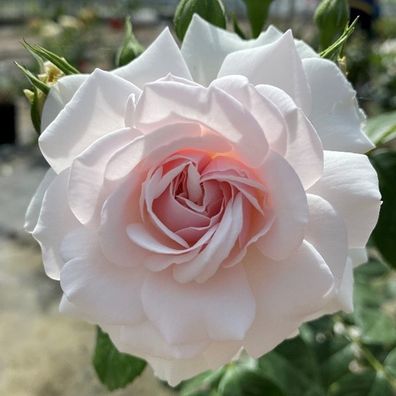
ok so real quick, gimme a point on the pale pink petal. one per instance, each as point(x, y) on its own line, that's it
point(211, 107)
point(175, 371)
point(350, 184)
point(288, 202)
point(158, 262)
point(261, 66)
point(267, 115)
point(140, 234)
point(108, 293)
point(335, 111)
point(119, 210)
point(285, 292)
point(160, 144)
point(67, 308)
point(221, 309)
point(358, 256)
point(205, 47)
point(33, 210)
point(97, 108)
point(207, 262)
point(78, 243)
point(176, 216)
point(59, 95)
point(326, 231)
point(162, 57)
point(304, 148)
point(86, 181)
point(143, 339)
point(54, 222)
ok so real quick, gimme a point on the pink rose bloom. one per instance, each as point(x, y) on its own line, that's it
point(207, 199)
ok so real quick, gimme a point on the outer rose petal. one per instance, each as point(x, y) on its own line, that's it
point(264, 111)
point(186, 313)
point(350, 184)
point(285, 293)
point(97, 108)
point(59, 95)
point(304, 147)
point(33, 210)
point(289, 205)
point(162, 57)
point(335, 112)
point(105, 292)
point(358, 256)
point(144, 69)
point(143, 339)
point(205, 47)
point(326, 231)
point(175, 371)
point(54, 222)
point(261, 66)
point(86, 181)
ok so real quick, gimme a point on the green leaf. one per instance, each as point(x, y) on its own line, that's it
point(114, 369)
point(203, 384)
point(292, 365)
point(210, 10)
point(61, 63)
point(130, 48)
point(382, 129)
point(367, 383)
point(36, 82)
point(244, 381)
point(384, 235)
point(257, 11)
point(331, 17)
point(377, 327)
point(390, 364)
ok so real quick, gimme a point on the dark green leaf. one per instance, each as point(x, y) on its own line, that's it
point(257, 11)
point(114, 369)
point(390, 363)
point(130, 48)
point(384, 234)
point(367, 383)
point(210, 10)
point(377, 327)
point(244, 381)
point(382, 129)
point(292, 365)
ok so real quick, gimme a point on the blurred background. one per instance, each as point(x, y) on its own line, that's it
point(43, 353)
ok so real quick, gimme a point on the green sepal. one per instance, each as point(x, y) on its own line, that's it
point(61, 63)
point(334, 51)
point(36, 82)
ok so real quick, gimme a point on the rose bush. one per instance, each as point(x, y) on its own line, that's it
point(207, 199)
